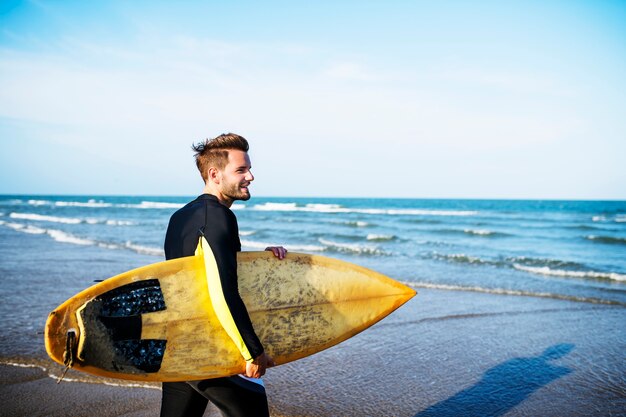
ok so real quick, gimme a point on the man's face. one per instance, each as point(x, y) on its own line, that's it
point(236, 176)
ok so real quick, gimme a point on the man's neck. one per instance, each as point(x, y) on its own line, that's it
point(220, 197)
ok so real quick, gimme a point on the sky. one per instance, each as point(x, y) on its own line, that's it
point(409, 99)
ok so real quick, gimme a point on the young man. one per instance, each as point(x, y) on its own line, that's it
point(225, 167)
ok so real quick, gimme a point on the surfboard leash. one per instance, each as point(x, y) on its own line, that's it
point(68, 354)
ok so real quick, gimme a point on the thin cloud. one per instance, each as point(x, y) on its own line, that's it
point(351, 71)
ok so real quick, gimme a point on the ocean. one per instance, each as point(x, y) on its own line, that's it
point(54, 246)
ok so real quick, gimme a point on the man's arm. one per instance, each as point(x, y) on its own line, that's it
point(221, 234)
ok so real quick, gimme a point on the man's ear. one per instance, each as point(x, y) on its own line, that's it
point(214, 175)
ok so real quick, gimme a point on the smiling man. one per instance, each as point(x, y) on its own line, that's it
point(225, 167)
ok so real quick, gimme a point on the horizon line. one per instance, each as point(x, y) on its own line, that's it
point(323, 197)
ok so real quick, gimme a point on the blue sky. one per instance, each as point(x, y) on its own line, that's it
point(450, 99)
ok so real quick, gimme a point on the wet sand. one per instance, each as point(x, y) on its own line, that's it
point(445, 353)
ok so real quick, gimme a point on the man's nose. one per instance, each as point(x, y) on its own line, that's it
point(249, 176)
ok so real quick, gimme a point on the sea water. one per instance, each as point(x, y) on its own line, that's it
point(51, 247)
point(561, 249)
point(557, 249)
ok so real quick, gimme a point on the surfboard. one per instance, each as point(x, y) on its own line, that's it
point(160, 322)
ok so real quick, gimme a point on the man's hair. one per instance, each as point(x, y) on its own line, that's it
point(214, 152)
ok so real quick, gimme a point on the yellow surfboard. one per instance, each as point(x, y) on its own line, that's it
point(159, 322)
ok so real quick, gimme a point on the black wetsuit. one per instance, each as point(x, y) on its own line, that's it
point(234, 396)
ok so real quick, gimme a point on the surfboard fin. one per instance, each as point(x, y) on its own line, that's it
point(69, 354)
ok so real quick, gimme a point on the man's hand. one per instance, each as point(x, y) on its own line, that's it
point(256, 368)
point(278, 251)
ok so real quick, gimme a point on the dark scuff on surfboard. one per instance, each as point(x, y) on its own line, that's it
point(111, 327)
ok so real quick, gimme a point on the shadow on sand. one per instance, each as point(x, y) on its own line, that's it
point(504, 386)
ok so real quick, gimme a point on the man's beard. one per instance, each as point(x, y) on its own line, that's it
point(234, 192)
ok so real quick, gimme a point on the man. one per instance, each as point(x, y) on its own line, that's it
point(225, 167)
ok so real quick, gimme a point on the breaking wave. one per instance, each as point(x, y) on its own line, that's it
point(607, 239)
point(618, 218)
point(335, 208)
point(464, 259)
point(545, 270)
point(472, 232)
point(65, 237)
point(502, 291)
point(68, 220)
point(250, 244)
point(537, 266)
point(350, 248)
point(153, 205)
point(54, 371)
point(92, 203)
point(380, 238)
point(326, 246)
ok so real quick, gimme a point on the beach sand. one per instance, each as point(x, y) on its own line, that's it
point(445, 353)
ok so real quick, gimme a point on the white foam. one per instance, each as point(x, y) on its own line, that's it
point(33, 230)
point(544, 270)
point(460, 257)
point(39, 202)
point(353, 223)
point(434, 212)
point(607, 239)
point(144, 250)
point(501, 291)
point(479, 232)
point(64, 237)
point(306, 248)
point(90, 203)
point(156, 205)
point(255, 245)
point(107, 245)
point(380, 238)
point(238, 206)
point(295, 248)
point(324, 208)
point(52, 375)
point(68, 220)
point(23, 365)
point(352, 248)
point(246, 232)
point(276, 207)
point(109, 222)
point(14, 226)
point(119, 223)
point(334, 208)
point(104, 382)
point(23, 228)
point(619, 218)
point(43, 218)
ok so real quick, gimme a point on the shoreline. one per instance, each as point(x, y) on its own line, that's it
point(443, 352)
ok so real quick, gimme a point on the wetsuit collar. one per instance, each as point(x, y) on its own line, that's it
point(207, 197)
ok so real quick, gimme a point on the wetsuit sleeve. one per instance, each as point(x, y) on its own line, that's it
point(223, 238)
